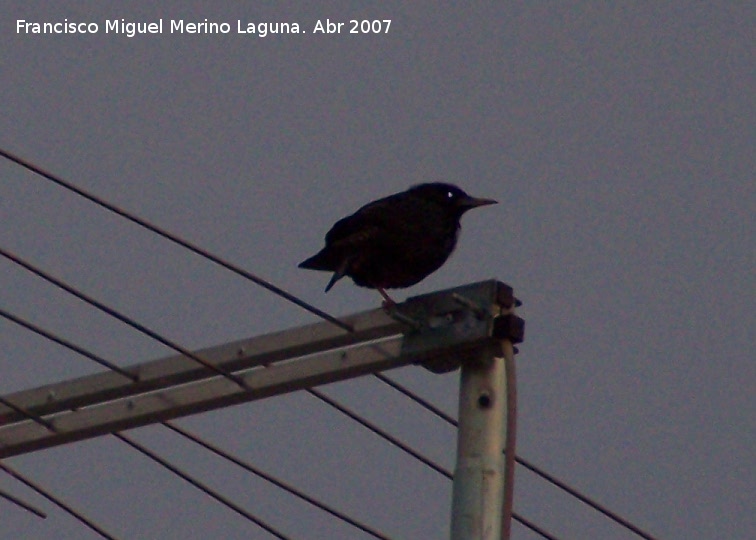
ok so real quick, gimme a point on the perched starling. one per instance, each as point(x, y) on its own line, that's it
point(396, 241)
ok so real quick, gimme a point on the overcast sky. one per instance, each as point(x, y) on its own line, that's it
point(618, 138)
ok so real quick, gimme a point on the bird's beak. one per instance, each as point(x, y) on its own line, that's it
point(472, 202)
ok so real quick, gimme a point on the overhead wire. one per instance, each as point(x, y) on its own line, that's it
point(69, 345)
point(585, 499)
point(290, 297)
point(535, 528)
point(121, 317)
point(412, 452)
point(277, 482)
point(380, 432)
point(175, 239)
point(199, 485)
point(22, 504)
point(522, 461)
point(57, 501)
point(20, 410)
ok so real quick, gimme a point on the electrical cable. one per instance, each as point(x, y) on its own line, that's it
point(175, 239)
point(199, 485)
point(57, 502)
point(67, 344)
point(123, 318)
point(23, 504)
point(275, 481)
point(380, 432)
point(535, 528)
point(409, 450)
point(522, 461)
point(583, 498)
point(20, 410)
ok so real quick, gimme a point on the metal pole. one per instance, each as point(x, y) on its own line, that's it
point(481, 503)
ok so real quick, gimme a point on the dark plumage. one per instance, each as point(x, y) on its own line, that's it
point(396, 241)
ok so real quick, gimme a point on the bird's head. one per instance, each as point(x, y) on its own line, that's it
point(449, 196)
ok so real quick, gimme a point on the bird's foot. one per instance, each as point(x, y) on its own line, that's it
point(388, 305)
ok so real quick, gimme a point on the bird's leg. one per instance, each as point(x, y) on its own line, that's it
point(388, 302)
point(392, 310)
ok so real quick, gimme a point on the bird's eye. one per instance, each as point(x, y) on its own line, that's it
point(449, 195)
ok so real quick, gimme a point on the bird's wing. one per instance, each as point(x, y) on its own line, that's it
point(366, 224)
point(354, 230)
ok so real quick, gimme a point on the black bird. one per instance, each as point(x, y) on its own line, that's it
point(396, 241)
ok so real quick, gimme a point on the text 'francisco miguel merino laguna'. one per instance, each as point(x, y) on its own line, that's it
point(174, 26)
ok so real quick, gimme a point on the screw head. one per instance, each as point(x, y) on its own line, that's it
point(485, 400)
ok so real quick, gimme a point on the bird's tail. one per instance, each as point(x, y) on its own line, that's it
point(324, 260)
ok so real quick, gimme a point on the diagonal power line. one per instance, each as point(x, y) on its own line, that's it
point(22, 504)
point(522, 461)
point(275, 481)
point(57, 502)
point(121, 317)
point(173, 238)
point(199, 485)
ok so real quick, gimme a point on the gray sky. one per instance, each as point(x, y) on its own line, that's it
point(618, 139)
